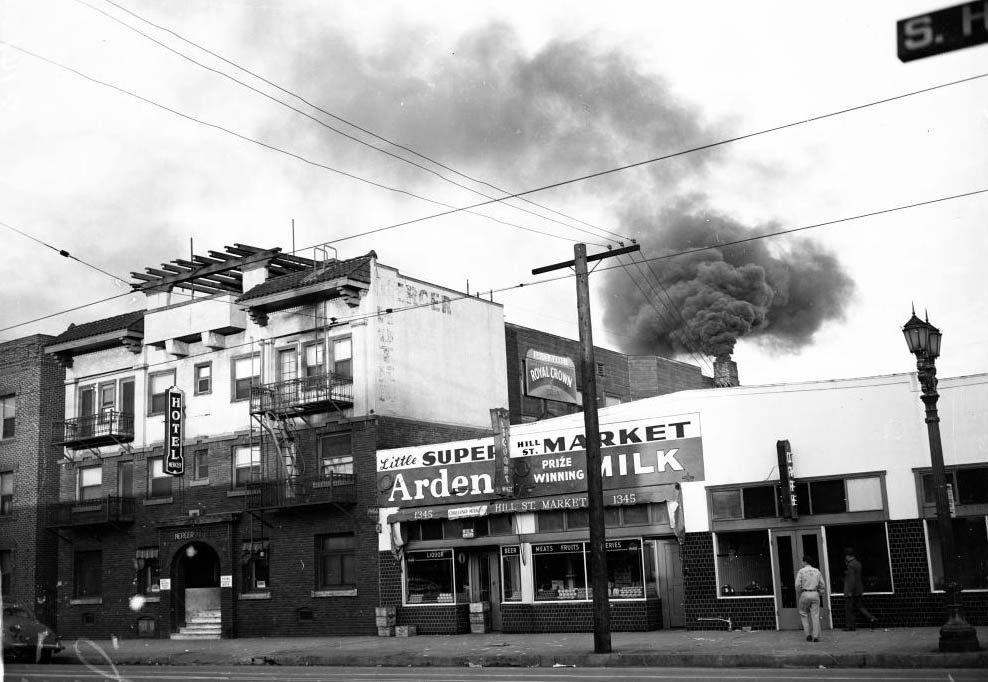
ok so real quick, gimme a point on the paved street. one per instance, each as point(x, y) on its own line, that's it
point(68, 673)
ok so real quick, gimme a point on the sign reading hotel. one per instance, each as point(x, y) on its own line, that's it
point(635, 455)
point(174, 426)
point(552, 377)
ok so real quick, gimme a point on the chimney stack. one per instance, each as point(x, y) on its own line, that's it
point(725, 372)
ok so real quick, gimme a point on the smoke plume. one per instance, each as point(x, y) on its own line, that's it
point(772, 291)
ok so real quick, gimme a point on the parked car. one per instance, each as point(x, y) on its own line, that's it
point(25, 637)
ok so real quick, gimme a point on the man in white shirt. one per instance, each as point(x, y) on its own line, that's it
point(809, 593)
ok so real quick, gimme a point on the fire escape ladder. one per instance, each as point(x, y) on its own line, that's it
point(283, 436)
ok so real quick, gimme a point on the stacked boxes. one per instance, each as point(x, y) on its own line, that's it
point(385, 618)
point(480, 617)
point(406, 630)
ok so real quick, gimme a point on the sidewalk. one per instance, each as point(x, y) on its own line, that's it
point(894, 648)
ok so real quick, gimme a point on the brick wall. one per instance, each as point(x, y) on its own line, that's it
point(36, 383)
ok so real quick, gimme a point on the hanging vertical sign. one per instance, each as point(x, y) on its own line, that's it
point(787, 481)
point(502, 456)
point(174, 432)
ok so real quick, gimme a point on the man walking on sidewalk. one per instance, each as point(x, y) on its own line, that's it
point(853, 589)
point(809, 588)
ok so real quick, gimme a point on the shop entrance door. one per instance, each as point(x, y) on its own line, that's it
point(789, 546)
point(669, 581)
point(490, 580)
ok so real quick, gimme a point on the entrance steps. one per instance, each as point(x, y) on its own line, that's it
point(203, 625)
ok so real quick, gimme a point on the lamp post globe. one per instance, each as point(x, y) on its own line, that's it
point(923, 340)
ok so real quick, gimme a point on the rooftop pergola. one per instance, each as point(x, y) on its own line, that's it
point(219, 272)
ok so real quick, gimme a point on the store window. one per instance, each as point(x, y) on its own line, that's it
point(246, 465)
point(871, 548)
point(6, 571)
point(158, 385)
point(255, 563)
point(88, 574)
point(744, 564)
point(336, 560)
point(501, 524)
point(6, 493)
point(245, 372)
point(204, 378)
point(8, 410)
point(148, 570)
point(614, 517)
point(625, 577)
point(970, 485)
point(971, 543)
point(750, 502)
point(159, 483)
point(429, 577)
point(90, 483)
point(560, 571)
point(511, 573)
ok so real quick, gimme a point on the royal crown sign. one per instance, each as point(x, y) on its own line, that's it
point(174, 433)
point(552, 377)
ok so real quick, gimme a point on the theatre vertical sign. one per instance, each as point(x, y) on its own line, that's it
point(174, 433)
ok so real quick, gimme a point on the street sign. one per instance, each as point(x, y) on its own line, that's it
point(943, 31)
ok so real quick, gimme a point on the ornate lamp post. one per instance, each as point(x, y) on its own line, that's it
point(923, 340)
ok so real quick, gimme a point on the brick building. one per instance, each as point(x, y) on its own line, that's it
point(30, 401)
point(698, 533)
point(291, 373)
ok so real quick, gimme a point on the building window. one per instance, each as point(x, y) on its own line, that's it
point(970, 485)
point(336, 456)
point(610, 400)
point(148, 570)
point(90, 483)
point(560, 571)
point(7, 414)
point(159, 483)
point(744, 564)
point(971, 543)
point(600, 369)
point(204, 378)
point(125, 479)
point(501, 524)
point(429, 577)
point(6, 571)
point(342, 358)
point(336, 560)
point(158, 385)
point(750, 502)
point(255, 562)
point(654, 513)
point(246, 465)
point(287, 364)
point(246, 371)
point(871, 548)
point(200, 465)
point(315, 359)
point(511, 573)
point(88, 574)
point(6, 493)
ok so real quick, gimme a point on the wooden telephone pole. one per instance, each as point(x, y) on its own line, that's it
point(595, 485)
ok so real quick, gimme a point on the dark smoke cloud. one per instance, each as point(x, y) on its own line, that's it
point(773, 291)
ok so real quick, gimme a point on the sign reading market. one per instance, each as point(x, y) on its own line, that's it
point(635, 455)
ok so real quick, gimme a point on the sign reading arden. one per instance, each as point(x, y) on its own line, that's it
point(174, 428)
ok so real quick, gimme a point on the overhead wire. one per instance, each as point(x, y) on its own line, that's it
point(280, 150)
point(336, 117)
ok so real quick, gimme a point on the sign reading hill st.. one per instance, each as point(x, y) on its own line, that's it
point(943, 31)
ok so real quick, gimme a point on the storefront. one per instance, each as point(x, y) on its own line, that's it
point(523, 554)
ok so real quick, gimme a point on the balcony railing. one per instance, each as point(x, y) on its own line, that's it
point(93, 430)
point(303, 395)
point(97, 512)
point(332, 488)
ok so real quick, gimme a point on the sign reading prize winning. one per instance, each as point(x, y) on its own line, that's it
point(174, 428)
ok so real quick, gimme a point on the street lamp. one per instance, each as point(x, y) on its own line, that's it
point(923, 340)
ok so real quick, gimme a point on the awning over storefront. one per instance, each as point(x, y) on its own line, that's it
point(612, 498)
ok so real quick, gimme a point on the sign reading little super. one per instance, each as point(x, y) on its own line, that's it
point(174, 425)
point(634, 454)
point(943, 31)
point(552, 377)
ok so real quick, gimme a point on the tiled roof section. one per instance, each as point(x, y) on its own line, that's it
point(353, 268)
point(132, 321)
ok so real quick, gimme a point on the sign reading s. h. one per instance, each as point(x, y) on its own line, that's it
point(943, 31)
point(174, 427)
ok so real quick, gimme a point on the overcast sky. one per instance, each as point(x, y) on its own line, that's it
point(520, 95)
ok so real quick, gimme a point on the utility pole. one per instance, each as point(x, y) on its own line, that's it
point(595, 485)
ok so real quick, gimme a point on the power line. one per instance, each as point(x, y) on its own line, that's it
point(274, 148)
point(337, 118)
point(61, 252)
